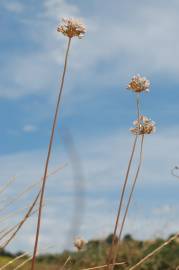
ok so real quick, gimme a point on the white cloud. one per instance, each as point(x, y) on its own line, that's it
point(59, 8)
point(139, 42)
point(29, 128)
point(13, 6)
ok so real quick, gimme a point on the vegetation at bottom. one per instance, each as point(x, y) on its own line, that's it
point(95, 253)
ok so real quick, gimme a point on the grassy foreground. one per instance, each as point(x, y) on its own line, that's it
point(95, 253)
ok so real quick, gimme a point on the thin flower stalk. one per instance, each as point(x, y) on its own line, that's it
point(138, 109)
point(126, 180)
point(143, 125)
point(129, 200)
point(48, 157)
point(70, 28)
point(121, 201)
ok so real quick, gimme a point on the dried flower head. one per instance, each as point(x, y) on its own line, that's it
point(143, 126)
point(72, 28)
point(139, 84)
point(79, 243)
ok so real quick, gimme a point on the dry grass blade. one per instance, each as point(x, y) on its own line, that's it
point(14, 260)
point(4, 230)
point(11, 229)
point(154, 252)
point(7, 185)
point(18, 197)
point(67, 260)
point(23, 263)
point(29, 212)
point(28, 189)
point(28, 260)
point(13, 214)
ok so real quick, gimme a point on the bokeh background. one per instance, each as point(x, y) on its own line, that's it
point(93, 141)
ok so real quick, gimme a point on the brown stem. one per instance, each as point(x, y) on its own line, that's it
point(129, 200)
point(48, 157)
point(138, 110)
point(121, 201)
point(27, 215)
point(138, 105)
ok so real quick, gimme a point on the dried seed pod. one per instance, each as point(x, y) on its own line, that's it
point(72, 28)
point(139, 84)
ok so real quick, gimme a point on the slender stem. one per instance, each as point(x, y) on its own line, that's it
point(154, 252)
point(48, 157)
point(121, 201)
point(129, 199)
point(12, 230)
point(124, 186)
point(138, 108)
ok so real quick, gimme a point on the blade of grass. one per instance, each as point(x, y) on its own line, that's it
point(27, 215)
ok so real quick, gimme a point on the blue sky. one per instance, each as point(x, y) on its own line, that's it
point(123, 39)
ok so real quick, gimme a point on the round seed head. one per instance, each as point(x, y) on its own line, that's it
point(139, 84)
point(71, 27)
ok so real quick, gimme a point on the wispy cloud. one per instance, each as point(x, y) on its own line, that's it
point(140, 42)
point(13, 6)
point(29, 128)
